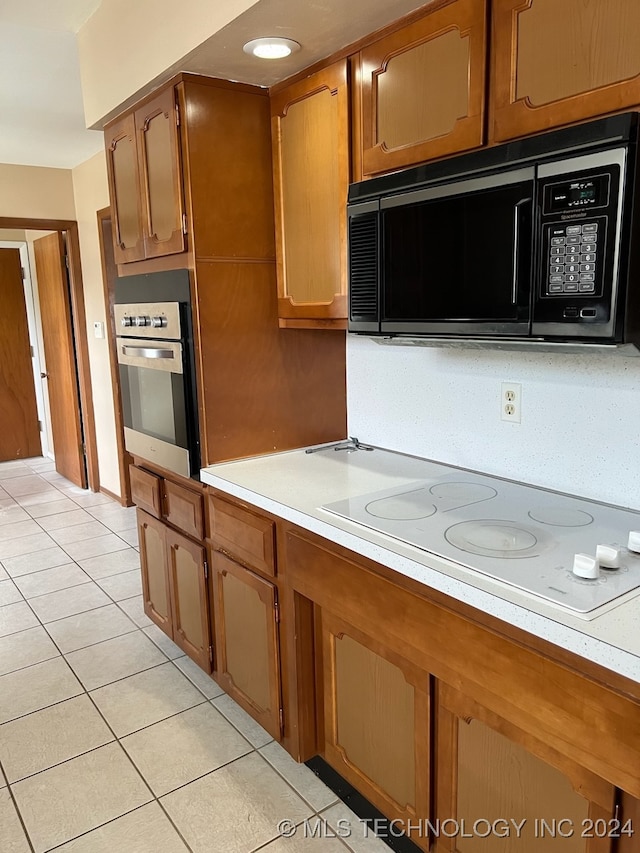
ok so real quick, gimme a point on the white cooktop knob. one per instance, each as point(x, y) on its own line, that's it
point(634, 541)
point(608, 556)
point(586, 566)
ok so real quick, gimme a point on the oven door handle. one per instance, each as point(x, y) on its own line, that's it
point(148, 352)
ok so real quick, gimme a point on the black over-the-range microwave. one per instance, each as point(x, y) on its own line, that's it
point(532, 241)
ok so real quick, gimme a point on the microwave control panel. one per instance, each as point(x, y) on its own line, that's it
point(574, 255)
point(575, 220)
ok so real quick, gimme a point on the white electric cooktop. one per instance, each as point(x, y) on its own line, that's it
point(521, 535)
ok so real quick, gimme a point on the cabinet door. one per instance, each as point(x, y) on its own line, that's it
point(156, 591)
point(189, 598)
point(247, 651)
point(423, 89)
point(124, 189)
point(376, 722)
point(557, 63)
point(157, 127)
point(311, 175)
point(493, 778)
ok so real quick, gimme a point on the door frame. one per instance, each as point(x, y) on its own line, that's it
point(70, 229)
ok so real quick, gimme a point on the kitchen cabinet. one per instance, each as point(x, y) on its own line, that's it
point(173, 562)
point(310, 133)
point(590, 64)
point(421, 88)
point(145, 180)
point(245, 599)
point(489, 772)
point(520, 729)
point(376, 717)
point(247, 649)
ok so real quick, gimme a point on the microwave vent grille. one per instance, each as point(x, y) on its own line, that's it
point(363, 263)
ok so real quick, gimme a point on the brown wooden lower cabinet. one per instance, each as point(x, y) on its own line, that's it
point(247, 646)
point(376, 722)
point(497, 785)
point(174, 587)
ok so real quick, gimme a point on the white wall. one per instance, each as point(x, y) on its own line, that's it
point(580, 428)
point(91, 194)
point(36, 192)
point(124, 45)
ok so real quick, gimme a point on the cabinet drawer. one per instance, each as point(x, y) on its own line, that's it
point(183, 509)
point(248, 537)
point(145, 490)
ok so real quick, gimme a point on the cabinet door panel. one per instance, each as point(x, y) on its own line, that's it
point(145, 490)
point(156, 124)
point(247, 537)
point(247, 651)
point(490, 771)
point(311, 173)
point(376, 720)
point(591, 62)
point(423, 88)
point(124, 189)
point(183, 509)
point(155, 578)
point(191, 628)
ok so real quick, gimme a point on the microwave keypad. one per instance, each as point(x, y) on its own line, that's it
point(573, 256)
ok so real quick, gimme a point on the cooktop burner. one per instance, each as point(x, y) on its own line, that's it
point(522, 535)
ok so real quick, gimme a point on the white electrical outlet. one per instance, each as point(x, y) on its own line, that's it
point(511, 402)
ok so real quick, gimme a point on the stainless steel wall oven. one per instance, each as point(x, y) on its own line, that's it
point(157, 384)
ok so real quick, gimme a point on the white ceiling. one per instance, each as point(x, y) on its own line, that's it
point(41, 114)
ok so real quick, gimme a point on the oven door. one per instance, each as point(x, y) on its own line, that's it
point(154, 402)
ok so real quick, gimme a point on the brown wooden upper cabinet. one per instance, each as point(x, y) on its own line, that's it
point(310, 131)
point(555, 63)
point(143, 162)
point(421, 88)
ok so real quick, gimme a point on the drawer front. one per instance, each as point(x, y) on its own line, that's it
point(247, 537)
point(183, 508)
point(145, 490)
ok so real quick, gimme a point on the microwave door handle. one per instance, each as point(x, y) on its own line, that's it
point(148, 352)
point(516, 248)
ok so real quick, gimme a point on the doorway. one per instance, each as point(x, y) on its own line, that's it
point(73, 435)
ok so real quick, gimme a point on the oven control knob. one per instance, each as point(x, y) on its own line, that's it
point(634, 541)
point(158, 322)
point(608, 556)
point(586, 566)
point(127, 321)
point(142, 320)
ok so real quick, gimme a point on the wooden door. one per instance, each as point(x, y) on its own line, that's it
point(376, 723)
point(489, 771)
point(159, 162)
point(555, 63)
point(60, 358)
point(310, 131)
point(189, 598)
point(422, 88)
point(125, 190)
point(156, 587)
point(247, 649)
point(20, 434)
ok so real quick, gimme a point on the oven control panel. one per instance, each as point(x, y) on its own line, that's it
point(149, 320)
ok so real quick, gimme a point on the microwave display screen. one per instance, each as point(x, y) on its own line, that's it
point(588, 192)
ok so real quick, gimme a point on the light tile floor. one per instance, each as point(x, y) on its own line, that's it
point(111, 740)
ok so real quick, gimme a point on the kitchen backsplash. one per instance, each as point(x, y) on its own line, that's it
point(580, 418)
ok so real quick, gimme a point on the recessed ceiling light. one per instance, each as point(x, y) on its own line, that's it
point(271, 48)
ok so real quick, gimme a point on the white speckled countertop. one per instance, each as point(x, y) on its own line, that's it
point(294, 485)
